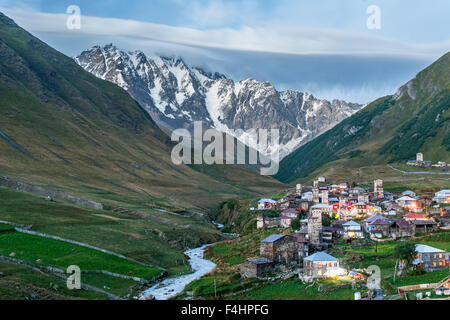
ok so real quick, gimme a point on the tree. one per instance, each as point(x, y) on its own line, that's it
point(404, 253)
point(295, 224)
point(326, 220)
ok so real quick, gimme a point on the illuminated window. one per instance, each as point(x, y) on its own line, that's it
point(319, 265)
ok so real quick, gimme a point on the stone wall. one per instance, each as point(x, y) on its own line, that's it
point(24, 187)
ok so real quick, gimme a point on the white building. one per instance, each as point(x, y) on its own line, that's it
point(442, 196)
point(265, 204)
point(323, 208)
point(321, 264)
point(353, 230)
point(308, 196)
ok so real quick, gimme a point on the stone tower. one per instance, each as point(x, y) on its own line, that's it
point(315, 226)
point(419, 157)
point(378, 189)
point(363, 198)
point(298, 190)
point(325, 197)
point(260, 221)
point(315, 195)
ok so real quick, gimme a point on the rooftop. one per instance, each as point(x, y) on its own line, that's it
point(406, 198)
point(273, 238)
point(422, 248)
point(351, 224)
point(413, 215)
point(321, 205)
point(423, 222)
point(267, 200)
point(290, 210)
point(321, 256)
point(380, 222)
point(260, 261)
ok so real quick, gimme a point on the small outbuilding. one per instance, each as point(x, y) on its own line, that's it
point(256, 268)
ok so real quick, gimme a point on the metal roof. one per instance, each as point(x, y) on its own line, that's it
point(260, 261)
point(422, 248)
point(267, 200)
point(321, 256)
point(423, 222)
point(322, 205)
point(273, 238)
point(351, 223)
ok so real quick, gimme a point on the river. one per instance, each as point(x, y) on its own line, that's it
point(170, 287)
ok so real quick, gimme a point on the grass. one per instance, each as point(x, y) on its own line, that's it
point(429, 277)
point(157, 238)
point(117, 286)
point(294, 289)
point(60, 254)
point(6, 226)
point(19, 282)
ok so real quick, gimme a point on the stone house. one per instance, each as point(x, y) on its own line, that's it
point(281, 249)
point(267, 222)
point(302, 243)
point(321, 264)
point(424, 226)
point(431, 259)
point(291, 212)
point(353, 230)
point(256, 268)
point(381, 226)
point(367, 223)
point(401, 228)
point(285, 221)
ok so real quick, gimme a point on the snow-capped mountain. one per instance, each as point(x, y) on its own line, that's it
point(176, 95)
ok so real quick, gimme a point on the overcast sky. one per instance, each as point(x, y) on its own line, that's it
point(320, 46)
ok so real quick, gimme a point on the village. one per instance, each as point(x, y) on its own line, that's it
point(325, 214)
point(420, 162)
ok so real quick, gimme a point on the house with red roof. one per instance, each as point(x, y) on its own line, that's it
point(414, 216)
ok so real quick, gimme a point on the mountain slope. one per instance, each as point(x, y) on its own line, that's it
point(391, 129)
point(64, 128)
point(176, 94)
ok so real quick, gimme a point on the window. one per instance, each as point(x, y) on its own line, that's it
point(319, 265)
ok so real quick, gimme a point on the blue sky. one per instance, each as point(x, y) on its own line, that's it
point(320, 46)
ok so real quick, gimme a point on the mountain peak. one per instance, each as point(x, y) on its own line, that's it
point(176, 94)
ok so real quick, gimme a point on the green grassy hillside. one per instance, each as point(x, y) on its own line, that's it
point(392, 129)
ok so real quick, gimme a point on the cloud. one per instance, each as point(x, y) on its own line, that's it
point(327, 63)
point(275, 39)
